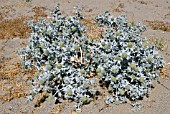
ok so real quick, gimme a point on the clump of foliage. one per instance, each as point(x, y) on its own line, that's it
point(65, 59)
point(159, 25)
point(127, 66)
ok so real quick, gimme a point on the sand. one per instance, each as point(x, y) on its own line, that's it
point(153, 13)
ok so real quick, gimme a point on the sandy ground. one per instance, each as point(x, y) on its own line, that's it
point(13, 80)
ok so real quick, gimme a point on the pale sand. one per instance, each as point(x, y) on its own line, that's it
point(136, 10)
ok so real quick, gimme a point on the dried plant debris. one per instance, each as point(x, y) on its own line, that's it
point(17, 27)
point(39, 12)
point(160, 43)
point(89, 10)
point(69, 66)
point(12, 84)
point(92, 29)
point(14, 28)
point(6, 71)
point(165, 72)
point(159, 25)
point(41, 99)
point(119, 8)
point(58, 109)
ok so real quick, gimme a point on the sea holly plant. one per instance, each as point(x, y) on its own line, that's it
point(129, 65)
point(69, 66)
